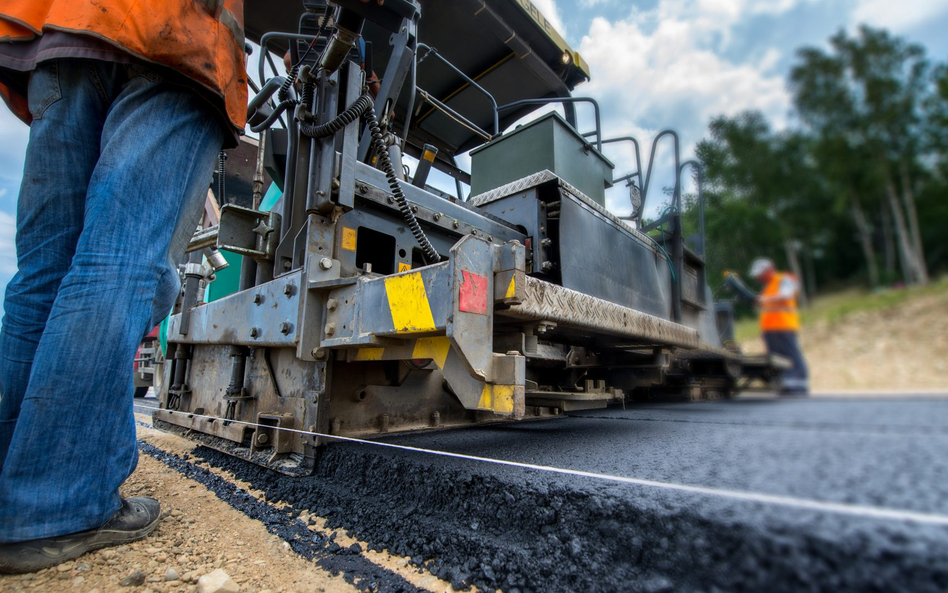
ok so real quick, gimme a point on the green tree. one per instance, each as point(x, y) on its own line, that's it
point(762, 191)
point(864, 98)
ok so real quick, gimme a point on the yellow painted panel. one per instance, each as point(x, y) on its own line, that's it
point(348, 239)
point(497, 398)
point(484, 402)
point(408, 302)
point(428, 156)
point(369, 354)
point(503, 399)
point(512, 288)
point(434, 348)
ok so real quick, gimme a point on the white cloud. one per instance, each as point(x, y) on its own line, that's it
point(662, 69)
point(899, 15)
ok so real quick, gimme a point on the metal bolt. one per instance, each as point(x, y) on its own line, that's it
point(546, 266)
point(474, 232)
point(320, 353)
point(414, 209)
point(331, 304)
point(546, 242)
point(330, 329)
point(262, 438)
point(456, 224)
point(285, 327)
point(257, 299)
point(390, 200)
point(288, 290)
point(437, 216)
point(490, 237)
point(254, 332)
point(325, 263)
point(436, 418)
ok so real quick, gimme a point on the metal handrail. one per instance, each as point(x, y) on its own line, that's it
point(430, 51)
point(651, 162)
point(267, 37)
point(453, 115)
point(638, 158)
point(548, 100)
point(701, 230)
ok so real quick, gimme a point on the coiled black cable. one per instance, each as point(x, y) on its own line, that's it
point(221, 158)
point(364, 106)
point(385, 164)
point(358, 108)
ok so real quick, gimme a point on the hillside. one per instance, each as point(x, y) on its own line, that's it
point(895, 339)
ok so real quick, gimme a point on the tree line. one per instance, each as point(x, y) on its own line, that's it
point(857, 190)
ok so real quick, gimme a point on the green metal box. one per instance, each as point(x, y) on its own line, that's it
point(545, 143)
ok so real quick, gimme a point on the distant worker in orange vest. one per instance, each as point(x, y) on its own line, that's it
point(780, 323)
point(129, 104)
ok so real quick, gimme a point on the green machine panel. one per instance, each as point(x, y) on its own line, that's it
point(545, 143)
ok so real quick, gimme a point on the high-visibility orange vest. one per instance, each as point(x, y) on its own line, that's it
point(201, 39)
point(779, 314)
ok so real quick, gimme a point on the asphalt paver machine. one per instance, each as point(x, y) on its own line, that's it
point(370, 302)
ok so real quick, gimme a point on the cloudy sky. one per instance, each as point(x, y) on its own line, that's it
point(655, 64)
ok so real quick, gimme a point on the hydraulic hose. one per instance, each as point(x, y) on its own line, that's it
point(280, 108)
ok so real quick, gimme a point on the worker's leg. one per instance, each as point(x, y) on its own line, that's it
point(74, 441)
point(68, 113)
point(795, 380)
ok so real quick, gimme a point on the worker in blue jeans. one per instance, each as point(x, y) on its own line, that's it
point(119, 160)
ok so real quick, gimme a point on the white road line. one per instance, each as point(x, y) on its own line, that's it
point(842, 508)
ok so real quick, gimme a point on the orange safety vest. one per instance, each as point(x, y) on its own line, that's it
point(778, 314)
point(201, 39)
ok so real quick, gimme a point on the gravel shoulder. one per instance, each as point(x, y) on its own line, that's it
point(202, 531)
point(198, 534)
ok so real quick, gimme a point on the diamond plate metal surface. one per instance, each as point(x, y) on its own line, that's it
point(543, 301)
point(542, 177)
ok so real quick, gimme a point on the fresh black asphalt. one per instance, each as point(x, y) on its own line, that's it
point(524, 530)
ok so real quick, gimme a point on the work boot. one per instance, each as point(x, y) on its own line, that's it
point(137, 518)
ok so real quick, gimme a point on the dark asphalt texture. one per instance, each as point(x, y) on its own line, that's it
point(523, 530)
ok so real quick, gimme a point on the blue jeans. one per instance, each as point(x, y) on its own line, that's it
point(117, 168)
point(796, 379)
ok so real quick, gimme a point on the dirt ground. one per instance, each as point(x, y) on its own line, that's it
point(198, 534)
point(903, 348)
